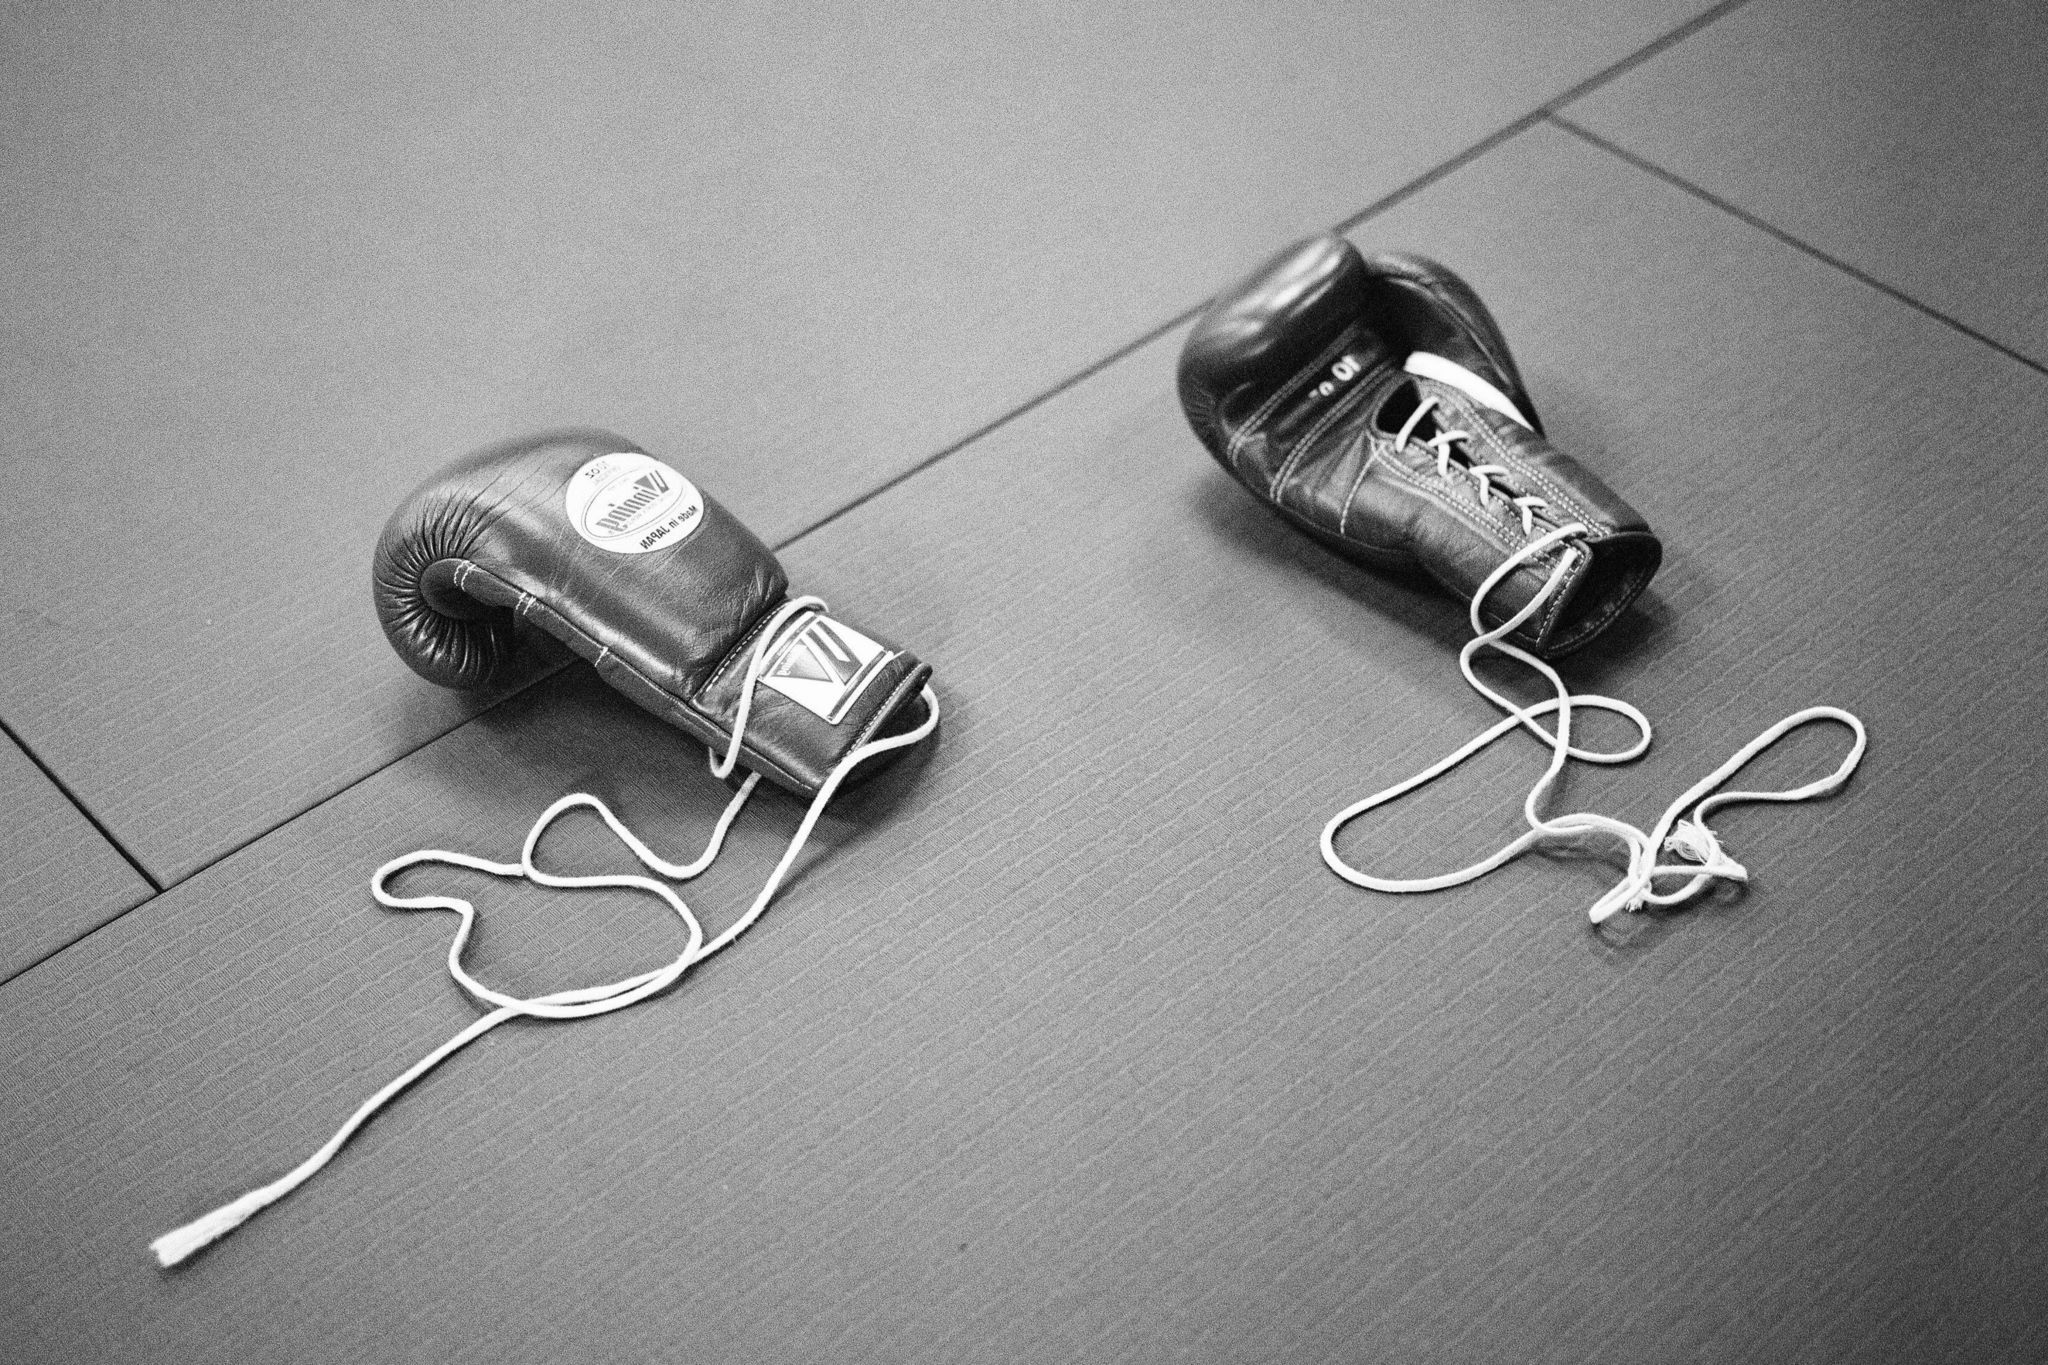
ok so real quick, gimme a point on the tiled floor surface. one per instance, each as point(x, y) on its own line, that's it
point(1063, 1044)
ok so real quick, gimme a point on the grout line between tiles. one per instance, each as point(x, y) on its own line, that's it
point(1037, 400)
point(1706, 196)
point(1407, 190)
point(1643, 54)
point(344, 790)
point(1541, 112)
point(156, 888)
point(263, 834)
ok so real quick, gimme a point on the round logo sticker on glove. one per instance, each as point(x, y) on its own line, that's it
point(631, 503)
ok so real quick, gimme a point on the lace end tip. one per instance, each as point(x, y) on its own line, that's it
point(1605, 909)
point(176, 1246)
point(180, 1244)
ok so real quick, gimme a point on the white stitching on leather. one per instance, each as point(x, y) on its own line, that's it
point(1343, 407)
point(1364, 468)
point(732, 655)
point(1279, 395)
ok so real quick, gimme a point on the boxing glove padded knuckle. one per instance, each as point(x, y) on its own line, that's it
point(443, 633)
point(1267, 328)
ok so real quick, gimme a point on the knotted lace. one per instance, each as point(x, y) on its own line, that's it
point(1676, 832)
point(584, 1001)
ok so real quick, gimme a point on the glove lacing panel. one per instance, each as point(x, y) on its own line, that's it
point(584, 1001)
point(1689, 838)
point(1482, 475)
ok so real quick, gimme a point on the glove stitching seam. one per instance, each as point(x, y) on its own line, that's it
point(874, 722)
point(1450, 502)
point(1343, 407)
point(1265, 409)
point(1364, 468)
point(1308, 372)
point(1303, 453)
point(760, 622)
point(1250, 429)
point(1476, 516)
point(685, 706)
point(1280, 395)
point(895, 700)
point(1573, 509)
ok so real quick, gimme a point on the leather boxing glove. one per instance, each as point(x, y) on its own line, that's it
point(617, 555)
point(1375, 404)
point(621, 558)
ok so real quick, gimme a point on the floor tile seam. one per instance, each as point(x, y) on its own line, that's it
point(1772, 230)
point(1407, 190)
point(1544, 111)
point(339, 792)
point(266, 832)
point(78, 804)
point(1023, 409)
point(1706, 17)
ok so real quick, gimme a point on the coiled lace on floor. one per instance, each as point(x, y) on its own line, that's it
point(584, 1001)
point(1678, 832)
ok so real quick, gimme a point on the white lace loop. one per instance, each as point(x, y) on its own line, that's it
point(579, 1002)
point(756, 661)
point(1689, 838)
point(1482, 475)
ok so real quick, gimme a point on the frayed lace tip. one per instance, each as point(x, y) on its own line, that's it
point(179, 1243)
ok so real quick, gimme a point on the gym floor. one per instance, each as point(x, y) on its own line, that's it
point(1063, 1044)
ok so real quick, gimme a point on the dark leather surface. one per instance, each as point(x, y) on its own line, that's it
point(488, 550)
point(58, 877)
point(1436, 310)
point(263, 267)
point(1064, 1045)
point(1903, 138)
point(1294, 380)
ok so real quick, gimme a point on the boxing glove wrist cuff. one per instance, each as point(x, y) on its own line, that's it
point(820, 690)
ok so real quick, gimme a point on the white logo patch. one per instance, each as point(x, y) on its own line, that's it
point(631, 503)
point(824, 666)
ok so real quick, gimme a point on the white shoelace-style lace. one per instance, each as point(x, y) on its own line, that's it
point(1482, 475)
point(1688, 837)
point(584, 1001)
point(1429, 365)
